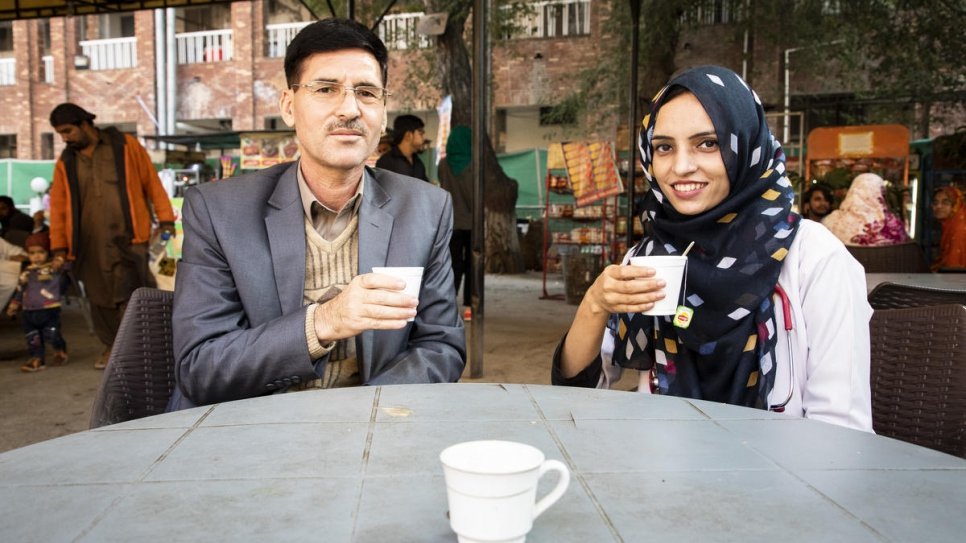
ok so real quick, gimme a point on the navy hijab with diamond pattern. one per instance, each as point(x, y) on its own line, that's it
point(727, 352)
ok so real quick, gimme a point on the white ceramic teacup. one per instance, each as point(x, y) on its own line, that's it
point(492, 489)
point(671, 269)
point(413, 276)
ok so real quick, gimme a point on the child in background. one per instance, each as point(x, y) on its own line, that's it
point(39, 293)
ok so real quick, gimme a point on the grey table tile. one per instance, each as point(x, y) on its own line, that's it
point(413, 448)
point(653, 445)
point(255, 511)
point(179, 419)
point(66, 510)
point(722, 506)
point(564, 403)
point(452, 402)
point(721, 411)
point(334, 405)
point(266, 451)
point(414, 509)
point(800, 444)
point(939, 498)
point(131, 454)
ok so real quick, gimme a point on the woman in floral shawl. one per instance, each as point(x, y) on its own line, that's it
point(778, 312)
point(864, 218)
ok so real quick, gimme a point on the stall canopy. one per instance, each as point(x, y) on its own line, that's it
point(34, 9)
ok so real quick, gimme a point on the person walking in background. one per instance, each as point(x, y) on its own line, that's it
point(949, 209)
point(275, 288)
point(864, 219)
point(39, 293)
point(456, 177)
point(408, 138)
point(774, 310)
point(104, 190)
point(40, 222)
point(13, 222)
point(817, 202)
point(11, 257)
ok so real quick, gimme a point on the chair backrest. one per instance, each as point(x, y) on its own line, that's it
point(139, 377)
point(919, 376)
point(900, 258)
point(896, 296)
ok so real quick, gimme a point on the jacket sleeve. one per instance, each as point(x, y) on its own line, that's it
point(59, 210)
point(219, 354)
point(151, 184)
point(436, 347)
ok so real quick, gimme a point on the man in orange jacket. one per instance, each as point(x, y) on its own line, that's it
point(99, 215)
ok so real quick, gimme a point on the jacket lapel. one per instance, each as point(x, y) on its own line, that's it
point(285, 224)
point(375, 230)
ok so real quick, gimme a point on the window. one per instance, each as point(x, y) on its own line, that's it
point(711, 12)
point(116, 25)
point(43, 30)
point(275, 123)
point(8, 146)
point(47, 146)
point(557, 115)
point(6, 38)
point(554, 19)
point(199, 19)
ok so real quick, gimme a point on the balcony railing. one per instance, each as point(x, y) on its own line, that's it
point(205, 46)
point(111, 54)
point(48, 61)
point(279, 36)
point(398, 32)
point(554, 19)
point(712, 12)
point(8, 71)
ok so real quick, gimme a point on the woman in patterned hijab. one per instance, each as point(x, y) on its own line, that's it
point(717, 179)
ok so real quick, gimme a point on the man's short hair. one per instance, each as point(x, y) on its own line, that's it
point(333, 34)
point(820, 187)
point(403, 124)
point(7, 200)
point(68, 113)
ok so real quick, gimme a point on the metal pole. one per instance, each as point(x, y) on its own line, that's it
point(786, 130)
point(480, 110)
point(632, 120)
point(160, 73)
point(171, 66)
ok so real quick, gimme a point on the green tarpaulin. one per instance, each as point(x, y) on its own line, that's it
point(15, 176)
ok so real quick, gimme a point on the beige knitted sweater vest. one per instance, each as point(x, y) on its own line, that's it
point(329, 266)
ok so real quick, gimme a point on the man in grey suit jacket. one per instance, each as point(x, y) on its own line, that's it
point(248, 319)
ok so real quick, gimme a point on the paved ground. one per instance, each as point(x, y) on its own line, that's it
point(520, 334)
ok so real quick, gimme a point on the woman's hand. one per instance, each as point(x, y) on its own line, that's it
point(624, 289)
point(618, 289)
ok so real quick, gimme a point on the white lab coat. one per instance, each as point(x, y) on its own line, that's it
point(827, 352)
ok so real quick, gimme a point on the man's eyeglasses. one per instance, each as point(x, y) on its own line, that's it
point(332, 92)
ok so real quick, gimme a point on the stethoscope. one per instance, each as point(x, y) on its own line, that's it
point(787, 317)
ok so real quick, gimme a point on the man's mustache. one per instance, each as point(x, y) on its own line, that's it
point(354, 125)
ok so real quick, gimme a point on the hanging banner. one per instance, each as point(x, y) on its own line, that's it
point(445, 113)
point(592, 171)
point(261, 150)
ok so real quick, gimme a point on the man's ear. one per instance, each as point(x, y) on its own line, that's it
point(286, 106)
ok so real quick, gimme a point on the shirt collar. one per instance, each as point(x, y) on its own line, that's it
point(308, 198)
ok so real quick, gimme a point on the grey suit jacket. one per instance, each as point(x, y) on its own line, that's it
point(239, 319)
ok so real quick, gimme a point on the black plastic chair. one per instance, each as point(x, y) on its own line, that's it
point(897, 296)
point(139, 377)
point(918, 376)
point(900, 258)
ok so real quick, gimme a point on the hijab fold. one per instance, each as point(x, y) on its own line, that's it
point(727, 352)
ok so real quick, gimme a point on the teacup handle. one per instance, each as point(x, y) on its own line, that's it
point(557, 492)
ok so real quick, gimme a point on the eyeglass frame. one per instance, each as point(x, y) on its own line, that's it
point(345, 90)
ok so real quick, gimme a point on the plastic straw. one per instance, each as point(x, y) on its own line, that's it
point(685, 253)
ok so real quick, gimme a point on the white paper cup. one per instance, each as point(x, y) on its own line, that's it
point(492, 487)
point(413, 276)
point(671, 269)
